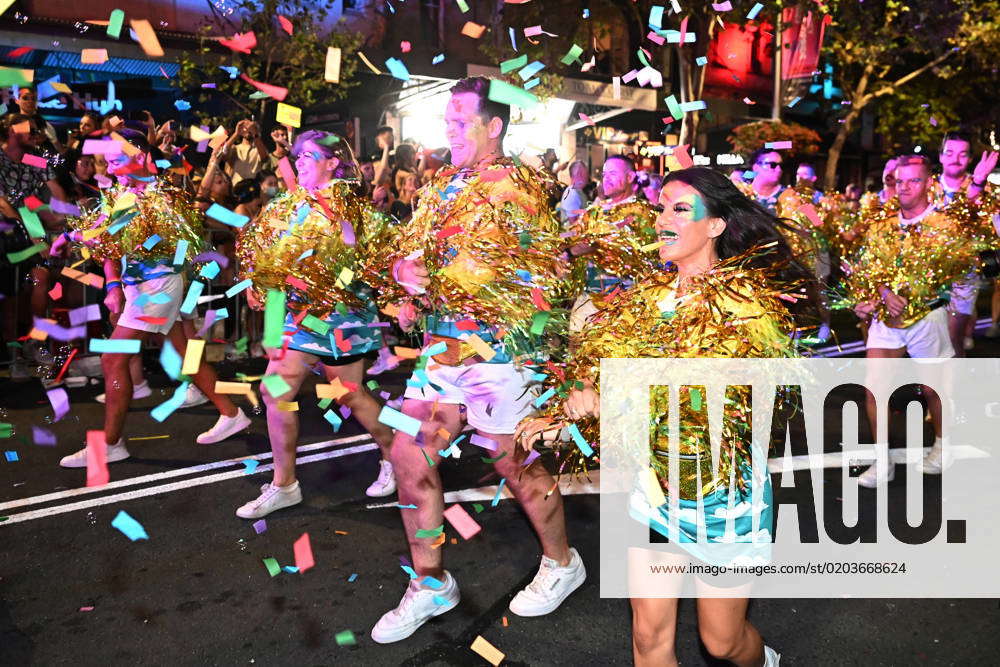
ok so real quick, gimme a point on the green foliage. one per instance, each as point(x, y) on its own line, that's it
point(749, 137)
point(295, 61)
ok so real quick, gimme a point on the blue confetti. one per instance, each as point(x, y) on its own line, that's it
point(11, 456)
point(131, 528)
point(439, 58)
point(182, 105)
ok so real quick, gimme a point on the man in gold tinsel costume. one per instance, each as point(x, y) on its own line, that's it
point(477, 260)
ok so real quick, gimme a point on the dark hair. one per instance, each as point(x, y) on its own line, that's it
point(67, 169)
point(748, 225)
point(98, 118)
point(759, 153)
point(246, 190)
point(264, 173)
point(134, 137)
point(957, 136)
point(488, 109)
point(406, 157)
point(623, 158)
point(9, 121)
point(807, 165)
point(382, 129)
point(331, 146)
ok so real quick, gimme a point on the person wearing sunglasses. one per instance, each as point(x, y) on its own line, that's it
point(766, 182)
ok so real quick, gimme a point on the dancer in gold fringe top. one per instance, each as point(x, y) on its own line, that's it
point(727, 295)
point(611, 241)
point(477, 261)
point(305, 251)
point(145, 232)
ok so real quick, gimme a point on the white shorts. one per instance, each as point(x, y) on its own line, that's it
point(963, 296)
point(171, 286)
point(925, 339)
point(496, 396)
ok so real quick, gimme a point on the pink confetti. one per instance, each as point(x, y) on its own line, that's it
point(462, 522)
point(303, 553)
point(97, 459)
point(34, 161)
point(277, 92)
point(404, 47)
point(587, 119)
point(286, 25)
point(722, 6)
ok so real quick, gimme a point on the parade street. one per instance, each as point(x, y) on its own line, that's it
point(74, 590)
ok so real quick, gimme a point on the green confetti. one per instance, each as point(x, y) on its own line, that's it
point(276, 385)
point(345, 638)
point(573, 54)
point(313, 323)
point(539, 321)
point(13, 76)
point(372, 385)
point(479, 508)
point(241, 345)
point(486, 460)
point(31, 222)
point(524, 239)
point(643, 58)
point(463, 5)
point(274, 318)
point(505, 93)
point(674, 107)
point(324, 403)
point(21, 255)
point(430, 464)
point(513, 64)
point(272, 567)
point(434, 533)
point(695, 400)
point(115, 23)
point(6, 430)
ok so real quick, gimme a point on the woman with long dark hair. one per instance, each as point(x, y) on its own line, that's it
point(725, 294)
point(305, 251)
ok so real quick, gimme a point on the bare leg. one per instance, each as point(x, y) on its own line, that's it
point(419, 483)
point(363, 405)
point(530, 487)
point(726, 632)
point(118, 384)
point(283, 425)
point(654, 629)
point(870, 408)
point(39, 291)
point(205, 378)
point(135, 370)
point(956, 331)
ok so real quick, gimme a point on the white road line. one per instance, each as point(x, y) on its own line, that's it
point(179, 472)
point(567, 485)
point(175, 486)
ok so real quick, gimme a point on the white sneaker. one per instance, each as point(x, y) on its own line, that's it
point(871, 478)
point(116, 452)
point(194, 397)
point(420, 603)
point(935, 461)
point(271, 499)
point(138, 391)
point(969, 343)
point(385, 485)
point(771, 657)
point(386, 362)
point(550, 587)
point(224, 428)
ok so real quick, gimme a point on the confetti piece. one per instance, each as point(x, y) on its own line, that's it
point(87, 608)
point(397, 69)
point(461, 521)
point(438, 59)
point(513, 64)
point(496, 497)
point(191, 300)
point(115, 21)
point(114, 346)
point(180, 253)
point(274, 318)
point(680, 153)
point(778, 145)
point(147, 38)
point(60, 402)
point(656, 16)
point(275, 385)
point(473, 30)
point(241, 42)
point(331, 73)
point(303, 553)
point(91, 313)
point(129, 527)
point(463, 6)
point(351, 579)
point(399, 421)
point(544, 397)
point(93, 56)
point(530, 459)
point(249, 466)
point(571, 55)
point(697, 105)
point(11, 457)
point(421, 533)
point(225, 216)
point(484, 442)
point(487, 651)
point(581, 443)
point(167, 408)
point(12, 76)
point(286, 25)
point(372, 67)
point(674, 107)
point(277, 92)
point(272, 567)
point(192, 356)
point(481, 347)
point(43, 437)
point(722, 6)
point(345, 638)
point(752, 14)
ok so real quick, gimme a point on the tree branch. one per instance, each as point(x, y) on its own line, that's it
point(891, 88)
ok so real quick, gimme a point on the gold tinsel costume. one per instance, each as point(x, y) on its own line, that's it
point(489, 240)
point(127, 219)
point(921, 260)
point(731, 311)
point(616, 234)
point(312, 246)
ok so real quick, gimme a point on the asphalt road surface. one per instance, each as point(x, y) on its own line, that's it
point(74, 590)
